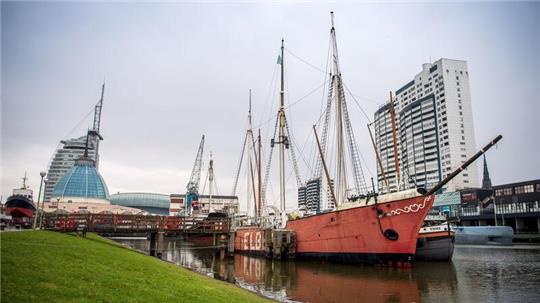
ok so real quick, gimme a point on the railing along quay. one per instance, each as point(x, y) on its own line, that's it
point(111, 223)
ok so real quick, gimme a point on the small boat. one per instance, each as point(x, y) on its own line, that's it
point(20, 206)
point(484, 235)
point(435, 240)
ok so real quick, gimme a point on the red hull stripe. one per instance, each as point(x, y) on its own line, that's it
point(20, 212)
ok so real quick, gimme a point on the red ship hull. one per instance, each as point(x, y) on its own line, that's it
point(384, 233)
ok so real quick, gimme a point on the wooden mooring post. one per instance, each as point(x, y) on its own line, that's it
point(222, 246)
point(157, 243)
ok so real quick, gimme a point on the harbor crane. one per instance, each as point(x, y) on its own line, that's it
point(193, 184)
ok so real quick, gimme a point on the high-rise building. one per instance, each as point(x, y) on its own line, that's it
point(64, 159)
point(302, 197)
point(313, 195)
point(433, 116)
point(312, 199)
point(71, 150)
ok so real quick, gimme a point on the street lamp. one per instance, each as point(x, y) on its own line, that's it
point(42, 174)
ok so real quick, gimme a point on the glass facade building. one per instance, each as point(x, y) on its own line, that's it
point(435, 130)
point(153, 203)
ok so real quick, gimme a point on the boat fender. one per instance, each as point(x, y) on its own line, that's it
point(391, 234)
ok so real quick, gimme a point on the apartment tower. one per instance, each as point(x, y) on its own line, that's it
point(434, 130)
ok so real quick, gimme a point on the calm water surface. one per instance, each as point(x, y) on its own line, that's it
point(476, 274)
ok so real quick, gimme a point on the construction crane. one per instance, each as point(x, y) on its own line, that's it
point(193, 184)
point(96, 134)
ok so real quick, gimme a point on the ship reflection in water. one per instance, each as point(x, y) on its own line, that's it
point(483, 275)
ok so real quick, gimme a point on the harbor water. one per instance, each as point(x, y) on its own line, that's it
point(476, 274)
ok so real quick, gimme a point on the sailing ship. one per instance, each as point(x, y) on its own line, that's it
point(363, 226)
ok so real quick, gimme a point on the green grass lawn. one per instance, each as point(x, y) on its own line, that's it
point(42, 266)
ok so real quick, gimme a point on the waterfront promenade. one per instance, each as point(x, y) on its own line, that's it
point(43, 266)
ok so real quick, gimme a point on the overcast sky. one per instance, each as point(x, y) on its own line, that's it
point(176, 71)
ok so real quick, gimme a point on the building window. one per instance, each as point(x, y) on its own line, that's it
point(457, 83)
point(524, 189)
point(498, 192)
point(538, 187)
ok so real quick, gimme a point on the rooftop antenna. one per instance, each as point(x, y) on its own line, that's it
point(97, 123)
point(97, 112)
point(86, 145)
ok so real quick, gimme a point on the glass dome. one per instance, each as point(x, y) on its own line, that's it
point(83, 180)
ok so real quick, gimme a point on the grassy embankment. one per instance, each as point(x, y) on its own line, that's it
point(41, 266)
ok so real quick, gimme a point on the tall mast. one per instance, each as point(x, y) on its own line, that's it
point(341, 178)
point(343, 127)
point(282, 137)
point(394, 140)
point(283, 141)
point(249, 113)
point(210, 182)
point(251, 146)
point(259, 175)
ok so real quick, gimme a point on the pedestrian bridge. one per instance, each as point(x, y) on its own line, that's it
point(126, 224)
